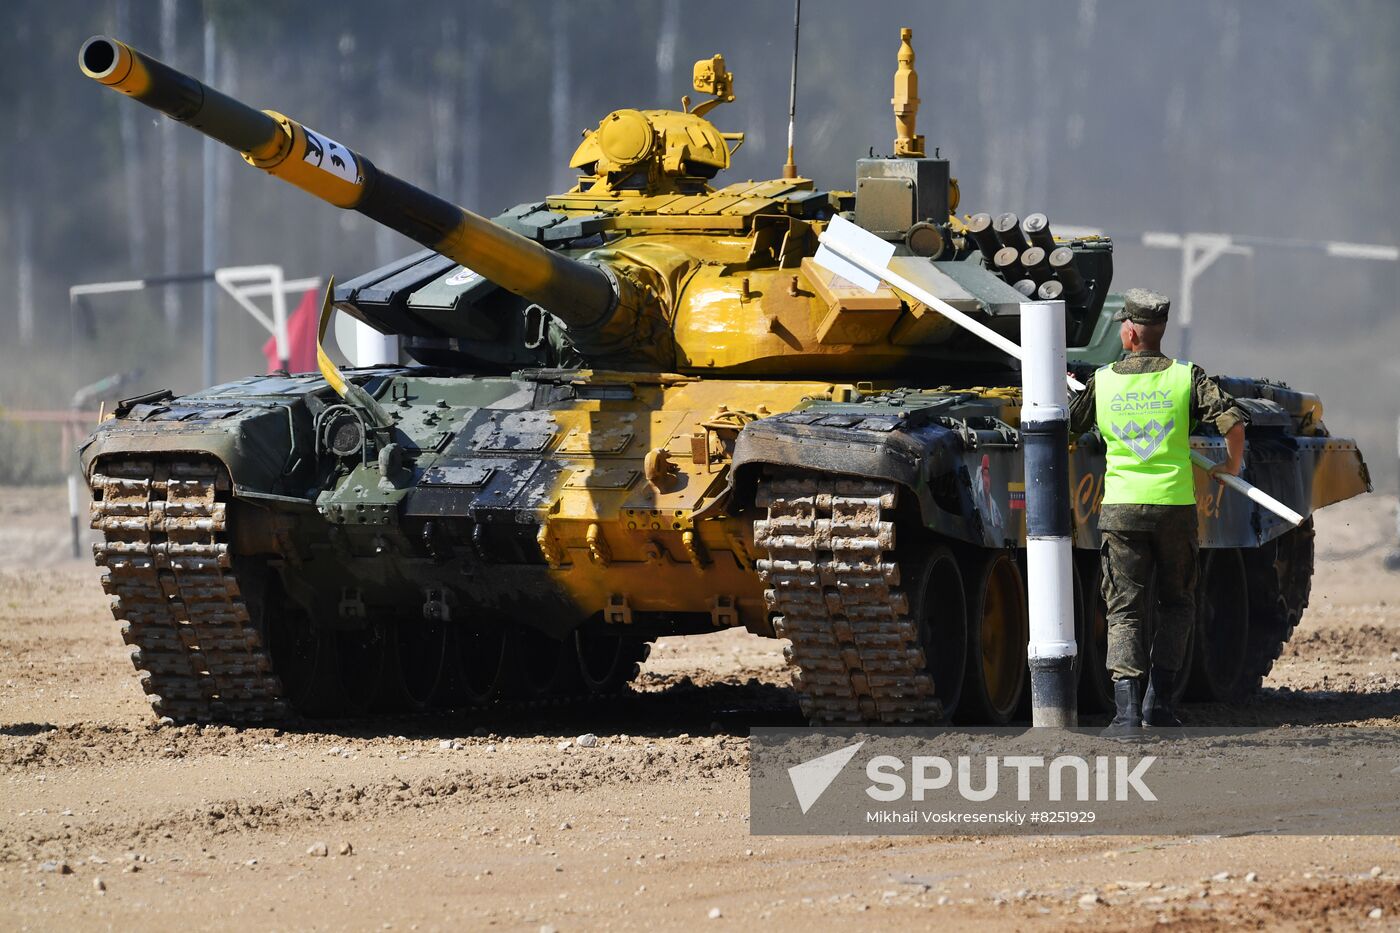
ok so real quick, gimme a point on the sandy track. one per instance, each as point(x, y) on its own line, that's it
point(504, 828)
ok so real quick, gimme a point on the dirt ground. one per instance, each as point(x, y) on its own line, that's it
point(445, 823)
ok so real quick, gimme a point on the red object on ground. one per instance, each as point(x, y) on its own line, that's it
point(301, 336)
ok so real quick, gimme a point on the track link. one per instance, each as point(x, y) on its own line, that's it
point(1283, 586)
point(833, 584)
point(166, 554)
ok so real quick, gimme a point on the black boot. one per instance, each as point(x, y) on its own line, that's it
point(1157, 702)
point(1127, 722)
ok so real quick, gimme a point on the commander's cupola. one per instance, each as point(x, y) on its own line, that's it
point(660, 151)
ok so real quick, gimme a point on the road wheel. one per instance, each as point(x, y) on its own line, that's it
point(360, 655)
point(940, 611)
point(413, 669)
point(301, 653)
point(1219, 671)
point(997, 631)
point(606, 662)
point(482, 662)
point(1081, 612)
point(303, 657)
point(543, 666)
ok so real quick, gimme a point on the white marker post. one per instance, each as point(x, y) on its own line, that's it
point(1049, 568)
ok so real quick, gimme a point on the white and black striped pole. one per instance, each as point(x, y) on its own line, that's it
point(1049, 571)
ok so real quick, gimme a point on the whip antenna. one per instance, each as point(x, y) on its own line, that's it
point(790, 169)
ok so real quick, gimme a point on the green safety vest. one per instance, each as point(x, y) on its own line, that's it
point(1145, 420)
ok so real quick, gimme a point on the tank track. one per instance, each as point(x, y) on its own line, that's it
point(833, 584)
point(193, 636)
point(166, 554)
point(1286, 582)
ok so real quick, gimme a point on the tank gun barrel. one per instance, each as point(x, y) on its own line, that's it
point(580, 294)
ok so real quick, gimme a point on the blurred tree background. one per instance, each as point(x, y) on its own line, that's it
point(1234, 116)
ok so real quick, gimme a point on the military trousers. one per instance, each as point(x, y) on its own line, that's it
point(1149, 585)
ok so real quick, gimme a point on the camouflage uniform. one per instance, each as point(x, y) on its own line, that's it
point(1141, 539)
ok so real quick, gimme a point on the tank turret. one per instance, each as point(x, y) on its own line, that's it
point(647, 264)
point(597, 304)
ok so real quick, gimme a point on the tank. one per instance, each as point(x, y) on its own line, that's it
point(635, 409)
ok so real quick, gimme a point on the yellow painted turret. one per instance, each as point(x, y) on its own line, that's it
point(645, 263)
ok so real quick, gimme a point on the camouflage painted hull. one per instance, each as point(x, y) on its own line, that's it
point(527, 536)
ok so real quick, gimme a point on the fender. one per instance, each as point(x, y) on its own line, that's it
point(259, 428)
point(920, 454)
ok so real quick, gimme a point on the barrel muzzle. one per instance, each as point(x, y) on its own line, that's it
point(105, 60)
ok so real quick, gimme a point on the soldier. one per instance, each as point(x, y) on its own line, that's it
point(1144, 405)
